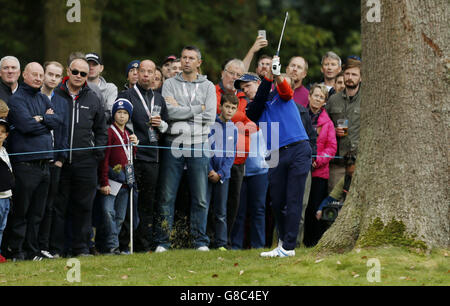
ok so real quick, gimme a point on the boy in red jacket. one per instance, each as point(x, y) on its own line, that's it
point(117, 175)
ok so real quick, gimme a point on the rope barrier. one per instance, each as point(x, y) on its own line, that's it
point(153, 147)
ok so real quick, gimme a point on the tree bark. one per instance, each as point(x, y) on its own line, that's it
point(63, 37)
point(402, 168)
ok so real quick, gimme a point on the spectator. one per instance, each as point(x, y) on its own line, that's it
point(9, 76)
point(115, 170)
point(232, 71)
point(259, 43)
point(78, 183)
point(147, 164)
point(33, 117)
point(175, 68)
point(132, 74)
point(53, 73)
point(264, 66)
point(6, 182)
point(108, 90)
point(339, 84)
point(346, 106)
point(342, 188)
point(191, 103)
point(287, 179)
point(297, 70)
point(4, 110)
point(157, 80)
point(223, 139)
point(167, 66)
point(331, 67)
point(326, 149)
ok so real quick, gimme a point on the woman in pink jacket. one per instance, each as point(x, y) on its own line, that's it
point(326, 150)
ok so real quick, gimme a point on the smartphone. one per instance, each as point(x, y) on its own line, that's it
point(262, 33)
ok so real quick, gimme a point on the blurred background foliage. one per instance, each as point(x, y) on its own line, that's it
point(138, 29)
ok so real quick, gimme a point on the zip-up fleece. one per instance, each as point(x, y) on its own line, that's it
point(87, 126)
point(188, 123)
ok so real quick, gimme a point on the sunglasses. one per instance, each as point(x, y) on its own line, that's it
point(76, 72)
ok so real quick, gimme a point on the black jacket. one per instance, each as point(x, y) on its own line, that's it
point(140, 119)
point(87, 124)
point(6, 177)
point(5, 92)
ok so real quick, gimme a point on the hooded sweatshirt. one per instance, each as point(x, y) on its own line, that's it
point(188, 123)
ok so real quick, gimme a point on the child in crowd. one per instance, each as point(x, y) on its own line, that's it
point(4, 110)
point(116, 176)
point(223, 139)
point(6, 181)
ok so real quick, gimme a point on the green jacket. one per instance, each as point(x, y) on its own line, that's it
point(341, 107)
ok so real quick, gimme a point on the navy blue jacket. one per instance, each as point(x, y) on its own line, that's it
point(140, 119)
point(5, 92)
point(28, 135)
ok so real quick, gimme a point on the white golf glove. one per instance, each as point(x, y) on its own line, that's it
point(276, 66)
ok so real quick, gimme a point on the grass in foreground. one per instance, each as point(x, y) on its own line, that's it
point(398, 267)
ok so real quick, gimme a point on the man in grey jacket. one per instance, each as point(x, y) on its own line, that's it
point(191, 104)
point(108, 90)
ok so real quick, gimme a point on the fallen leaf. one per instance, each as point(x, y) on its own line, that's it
point(446, 254)
point(356, 275)
point(190, 271)
point(338, 262)
point(236, 264)
point(402, 278)
point(358, 251)
point(171, 278)
point(124, 277)
point(241, 272)
point(129, 269)
point(220, 258)
point(100, 275)
point(297, 261)
point(364, 257)
point(318, 260)
point(215, 276)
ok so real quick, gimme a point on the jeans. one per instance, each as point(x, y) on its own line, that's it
point(114, 210)
point(4, 210)
point(170, 176)
point(253, 202)
point(217, 195)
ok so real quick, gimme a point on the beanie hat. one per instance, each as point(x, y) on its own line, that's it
point(122, 104)
point(132, 65)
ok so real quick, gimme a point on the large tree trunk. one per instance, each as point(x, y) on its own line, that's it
point(64, 35)
point(402, 167)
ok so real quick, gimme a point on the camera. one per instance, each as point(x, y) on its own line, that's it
point(331, 211)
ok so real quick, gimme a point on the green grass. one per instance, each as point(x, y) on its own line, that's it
point(238, 268)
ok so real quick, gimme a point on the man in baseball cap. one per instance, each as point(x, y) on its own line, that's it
point(167, 65)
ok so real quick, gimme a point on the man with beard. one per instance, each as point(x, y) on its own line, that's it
point(345, 106)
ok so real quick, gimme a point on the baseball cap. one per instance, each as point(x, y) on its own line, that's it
point(5, 124)
point(132, 65)
point(94, 57)
point(170, 58)
point(246, 78)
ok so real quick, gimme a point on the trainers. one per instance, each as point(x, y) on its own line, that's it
point(2, 259)
point(160, 249)
point(46, 254)
point(37, 258)
point(203, 249)
point(278, 252)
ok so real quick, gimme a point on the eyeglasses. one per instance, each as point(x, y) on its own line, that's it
point(234, 74)
point(76, 72)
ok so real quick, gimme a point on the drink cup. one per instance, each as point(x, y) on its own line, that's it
point(343, 124)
